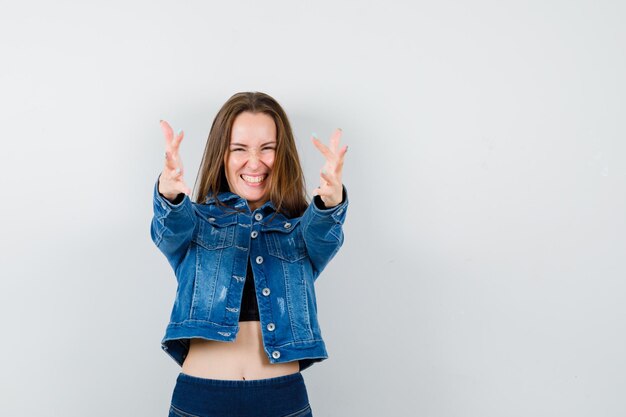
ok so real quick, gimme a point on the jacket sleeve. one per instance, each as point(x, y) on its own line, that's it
point(172, 226)
point(322, 230)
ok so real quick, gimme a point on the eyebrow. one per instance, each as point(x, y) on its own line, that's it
point(245, 146)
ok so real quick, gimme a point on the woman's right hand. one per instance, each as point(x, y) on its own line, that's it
point(171, 182)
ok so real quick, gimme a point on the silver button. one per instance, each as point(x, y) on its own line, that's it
point(271, 327)
point(254, 234)
point(287, 225)
point(266, 291)
point(275, 354)
point(211, 219)
point(259, 259)
point(258, 216)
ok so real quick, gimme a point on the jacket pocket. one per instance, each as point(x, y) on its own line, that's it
point(176, 412)
point(305, 412)
point(284, 240)
point(216, 232)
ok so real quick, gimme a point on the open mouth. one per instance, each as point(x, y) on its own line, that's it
point(253, 179)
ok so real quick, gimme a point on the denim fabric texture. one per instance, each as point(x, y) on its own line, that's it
point(208, 249)
point(283, 396)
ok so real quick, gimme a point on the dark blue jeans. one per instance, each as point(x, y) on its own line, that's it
point(283, 396)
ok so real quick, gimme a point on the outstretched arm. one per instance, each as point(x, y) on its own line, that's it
point(173, 222)
point(330, 189)
point(322, 221)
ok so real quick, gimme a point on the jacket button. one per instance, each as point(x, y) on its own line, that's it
point(266, 291)
point(259, 259)
point(271, 327)
point(275, 354)
point(258, 216)
point(287, 225)
point(211, 219)
point(254, 234)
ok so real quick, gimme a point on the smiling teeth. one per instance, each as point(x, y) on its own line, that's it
point(254, 179)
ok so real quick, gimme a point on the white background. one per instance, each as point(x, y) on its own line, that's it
point(483, 267)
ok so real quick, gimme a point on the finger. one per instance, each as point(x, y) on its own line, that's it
point(323, 149)
point(328, 178)
point(323, 192)
point(342, 152)
point(179, 138)
point(319, 191)
point(334, 140)
point(340, 158)
point(168, 160)
point(171, 160)
point(172, 170)
point(167, 132)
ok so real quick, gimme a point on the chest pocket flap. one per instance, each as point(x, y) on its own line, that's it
point(284, 239)
point(216, 231)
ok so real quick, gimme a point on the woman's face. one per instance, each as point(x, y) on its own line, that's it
point(250, 157)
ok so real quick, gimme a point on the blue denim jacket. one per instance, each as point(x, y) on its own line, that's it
point(208, 249)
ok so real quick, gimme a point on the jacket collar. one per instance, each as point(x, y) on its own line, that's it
point(237, 201)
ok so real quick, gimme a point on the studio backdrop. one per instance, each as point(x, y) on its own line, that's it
point(483, 268)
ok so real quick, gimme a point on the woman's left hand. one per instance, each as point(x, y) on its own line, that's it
point(331, 188)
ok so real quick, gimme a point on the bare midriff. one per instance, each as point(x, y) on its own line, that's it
point(243, 359)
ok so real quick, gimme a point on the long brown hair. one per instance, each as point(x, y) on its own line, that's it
point(286, 188)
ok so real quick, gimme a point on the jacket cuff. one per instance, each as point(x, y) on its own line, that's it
point(166, 205)
point(338, 212)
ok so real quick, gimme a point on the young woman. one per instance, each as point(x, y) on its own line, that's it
point(246, 255)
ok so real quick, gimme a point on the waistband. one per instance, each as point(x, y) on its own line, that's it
point(279, 380)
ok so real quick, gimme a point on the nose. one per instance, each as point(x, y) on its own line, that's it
point(254, 158)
